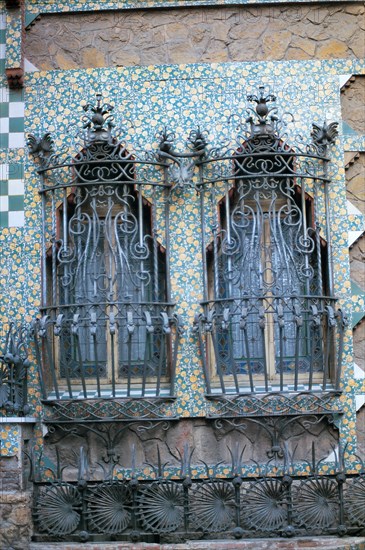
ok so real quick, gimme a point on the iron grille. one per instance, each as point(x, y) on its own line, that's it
point(270, 320)
point(107, 327)
point(14, 364)
point(235, 505)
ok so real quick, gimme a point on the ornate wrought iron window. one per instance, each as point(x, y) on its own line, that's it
point(107, 327)
point(269, 318)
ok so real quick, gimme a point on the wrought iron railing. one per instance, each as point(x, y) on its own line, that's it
point(14, 364)
point(253, 345)
point(107, 350)
point(235, 505)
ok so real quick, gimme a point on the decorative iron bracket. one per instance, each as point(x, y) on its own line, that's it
point(181, 164)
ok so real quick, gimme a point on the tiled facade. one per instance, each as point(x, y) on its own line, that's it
point(146, 99)
point(11, 140)
point(141, 96)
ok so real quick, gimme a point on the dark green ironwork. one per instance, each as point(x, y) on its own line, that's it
point(236, 505)
point(14, 365)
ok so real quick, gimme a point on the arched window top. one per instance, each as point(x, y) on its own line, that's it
point(104, 162)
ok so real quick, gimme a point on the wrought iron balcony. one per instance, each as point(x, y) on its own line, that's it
point(107, 329)
point(107, 350)
point(269, 319)
point(260, 345)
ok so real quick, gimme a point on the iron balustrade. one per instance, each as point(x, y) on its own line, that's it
point(80, 357)
point(235, 505)
point(175, 510)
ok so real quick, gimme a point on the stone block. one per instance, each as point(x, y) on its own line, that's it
point(332, 49)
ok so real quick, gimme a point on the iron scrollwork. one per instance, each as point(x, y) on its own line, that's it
point(275, 403)
point(270, 321)
point(57, 412)
point(276, 429)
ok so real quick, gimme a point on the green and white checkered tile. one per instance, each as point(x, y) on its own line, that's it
point(11, 103)
point(11, 137)
point(11, 195)
point(11, 118)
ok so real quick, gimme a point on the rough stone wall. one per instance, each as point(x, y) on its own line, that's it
point(355, 185)
point(15, 511)
point(65, 41)
point(357, 262)
point(360, 432)
point(357, 270)
point(352, 101)
point(359, 344)
point(355, 179)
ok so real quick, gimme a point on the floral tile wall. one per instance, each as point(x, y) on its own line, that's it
point(180, 97)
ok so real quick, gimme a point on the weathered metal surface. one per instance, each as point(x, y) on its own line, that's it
point(235, 505)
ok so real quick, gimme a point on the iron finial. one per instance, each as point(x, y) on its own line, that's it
point(261, 122)
point(96, 118)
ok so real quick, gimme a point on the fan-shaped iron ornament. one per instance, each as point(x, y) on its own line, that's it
point(160, 507)
point(108, 508)
point(316, 503)
point(58, 509)
point(213, 506)
point(355, 501)
point(264, 505)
